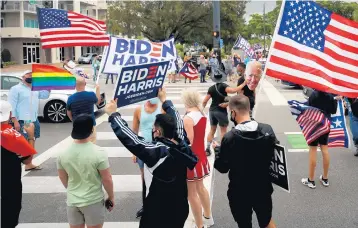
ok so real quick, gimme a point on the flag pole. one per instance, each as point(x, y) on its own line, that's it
point(270, 50)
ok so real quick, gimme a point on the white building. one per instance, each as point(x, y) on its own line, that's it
point(21, 36)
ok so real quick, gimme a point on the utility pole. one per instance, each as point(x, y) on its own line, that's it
point(264, 19)
point(216, 29)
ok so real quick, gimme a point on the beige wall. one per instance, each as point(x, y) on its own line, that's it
point(11, 19)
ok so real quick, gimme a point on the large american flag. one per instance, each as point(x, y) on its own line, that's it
point(61, 28)
point(313, 123)
point(189, 71)
point(316, 48)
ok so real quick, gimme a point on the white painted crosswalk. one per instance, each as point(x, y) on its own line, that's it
point(45, 185)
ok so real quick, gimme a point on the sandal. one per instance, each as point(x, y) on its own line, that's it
point(33, 169)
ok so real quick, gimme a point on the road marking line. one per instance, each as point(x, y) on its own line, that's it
point(51, 152)
point(276, 98)
point(293, 133)
point(65, 225)
point(52, 184)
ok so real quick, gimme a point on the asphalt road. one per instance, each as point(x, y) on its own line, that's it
point(332, 207)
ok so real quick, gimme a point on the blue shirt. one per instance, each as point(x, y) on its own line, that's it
point(19, 98)
point(82, 103)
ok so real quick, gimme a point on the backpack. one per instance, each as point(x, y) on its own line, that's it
point(354, 107)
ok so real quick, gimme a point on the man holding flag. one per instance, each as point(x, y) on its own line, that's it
point(25, 105)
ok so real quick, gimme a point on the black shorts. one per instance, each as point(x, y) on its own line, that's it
point(218, 117)
point(322, 140)
point(242, 207)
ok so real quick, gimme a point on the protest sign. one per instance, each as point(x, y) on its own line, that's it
point(278, 168)
point(123, 52)
point(244, 45)
point(139, 83)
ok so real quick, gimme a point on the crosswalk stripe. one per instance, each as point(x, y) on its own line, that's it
point(130, 118)
point(65, 225)
point(52, 184)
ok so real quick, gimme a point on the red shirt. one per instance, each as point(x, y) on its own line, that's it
point(13, 141)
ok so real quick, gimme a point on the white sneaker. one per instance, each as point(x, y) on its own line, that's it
point(204, 226)
point(324, 182)
point(208, 221)
point(310, 184)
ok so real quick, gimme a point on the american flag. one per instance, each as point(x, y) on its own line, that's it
point(189, 71)
point(316, 48)
point(313, 124)
point(61, 28)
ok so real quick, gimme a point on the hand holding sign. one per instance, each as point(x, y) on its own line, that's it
point(162, 94)
point(111, 107)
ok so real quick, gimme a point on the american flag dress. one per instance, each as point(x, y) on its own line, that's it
point(202, 168)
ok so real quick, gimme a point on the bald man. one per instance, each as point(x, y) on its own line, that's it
point(82, 102)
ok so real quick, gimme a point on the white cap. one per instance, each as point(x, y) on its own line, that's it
point(5, 109)
point(27, 72)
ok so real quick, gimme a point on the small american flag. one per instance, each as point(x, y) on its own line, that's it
point(61, 28)
point(313, 124)
point(316, 48)
point(189, 71)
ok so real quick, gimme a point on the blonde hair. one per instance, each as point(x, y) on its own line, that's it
point(191, 99)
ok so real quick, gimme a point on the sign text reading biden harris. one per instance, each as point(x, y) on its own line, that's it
point(131, 52)
point(139, 83)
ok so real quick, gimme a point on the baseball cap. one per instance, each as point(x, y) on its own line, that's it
point(82, 126)
point(5, 110)
point(27, 72)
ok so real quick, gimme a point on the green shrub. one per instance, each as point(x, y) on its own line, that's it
point(6, 55)
point(9, 63)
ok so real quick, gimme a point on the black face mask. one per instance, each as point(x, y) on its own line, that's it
point(28, 80)
point(232, 118)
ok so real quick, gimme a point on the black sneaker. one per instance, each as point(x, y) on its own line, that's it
point(139, 213)
point(356, 153)
point(308, 183)
point(208, 151)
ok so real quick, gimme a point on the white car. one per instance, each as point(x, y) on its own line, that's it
point(53, 108)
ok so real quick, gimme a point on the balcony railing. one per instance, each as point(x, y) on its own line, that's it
point(13, 6)
point(31, 8)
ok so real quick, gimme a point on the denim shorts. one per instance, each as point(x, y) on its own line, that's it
point(37, 129)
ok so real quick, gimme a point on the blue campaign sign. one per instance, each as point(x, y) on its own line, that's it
point(221, 43)
point(140, 82)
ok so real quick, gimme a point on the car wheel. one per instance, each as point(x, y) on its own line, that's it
point(55, 111)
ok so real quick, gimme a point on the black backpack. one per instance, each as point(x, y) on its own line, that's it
point(354, 107)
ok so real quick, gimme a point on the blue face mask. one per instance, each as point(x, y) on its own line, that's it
point(154, 101)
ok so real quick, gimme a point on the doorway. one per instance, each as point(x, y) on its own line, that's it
point(31, 53)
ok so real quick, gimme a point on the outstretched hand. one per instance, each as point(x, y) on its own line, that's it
point(162, 95)
point(111, 107)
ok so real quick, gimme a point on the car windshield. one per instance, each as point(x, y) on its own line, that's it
point(85, 55)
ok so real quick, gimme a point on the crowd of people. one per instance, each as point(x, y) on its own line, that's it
point(169, 150)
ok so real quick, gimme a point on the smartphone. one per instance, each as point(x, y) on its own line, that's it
point(108, 204)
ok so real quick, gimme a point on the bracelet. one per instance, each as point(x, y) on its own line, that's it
point(33, 139)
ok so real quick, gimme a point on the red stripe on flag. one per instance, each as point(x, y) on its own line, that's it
point(155, 54)
point(83, 16)
point(311, 70)
point(156, 49)
point(83, 26)
point(341, 32)
point(104, 39)
point(72, 31)
point(344, 20)
point(317, 59)
point(342, 46)
point(69, 44)
point(308, 83)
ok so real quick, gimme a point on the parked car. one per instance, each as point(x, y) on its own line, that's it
point(287, 83)
point(87, 58)
point(53, 108)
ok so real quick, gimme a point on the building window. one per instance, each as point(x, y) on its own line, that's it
point(31, 23)
point(2, 23)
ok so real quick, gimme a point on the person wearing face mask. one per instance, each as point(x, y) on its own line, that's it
point(166, 160)
point(82, 102)
point(25, 104)
point(143, 120)
point(246, 153)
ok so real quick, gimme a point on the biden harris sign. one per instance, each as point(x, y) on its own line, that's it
point(139, 83)
point(123, 52)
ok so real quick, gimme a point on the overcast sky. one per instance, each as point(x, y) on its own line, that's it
point(256, 6)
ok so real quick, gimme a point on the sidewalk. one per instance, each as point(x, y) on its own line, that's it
point(23, 67)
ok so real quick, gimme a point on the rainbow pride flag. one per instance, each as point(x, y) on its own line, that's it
point(46, 77)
